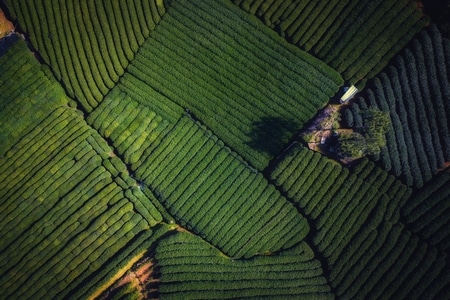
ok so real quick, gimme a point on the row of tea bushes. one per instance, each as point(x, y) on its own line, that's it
point(88, 44)
point(390, 262)
point(232, 72)
point(23, 76)
point(357, 38)
point(191, 268)
point(68, 205)
point(210, 190)
point(133, 128)
point(65, 213)
point(427, 212)
point(201, 183)
point(355, 216)
point(415, 91)
point(96, 282)
point(340, 202)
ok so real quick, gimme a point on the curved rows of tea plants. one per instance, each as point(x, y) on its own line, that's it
point(340, 202)
point(67, 205)
point(390, 263)
point(427, 212)
point(205, 56)
point(415, 91)
point(91, 53)
point(74, 216)
point(35, 79)
point(132, 127)
point(147, 96)
point(357, 38)
point(96, 282)
point(213, 192)
point(355, 217)
point(221, 177)
point(202, 184)
point(190, 268)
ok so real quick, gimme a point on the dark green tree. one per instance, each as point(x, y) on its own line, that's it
point(352, 144)
point(367, 139)
point(376, 124)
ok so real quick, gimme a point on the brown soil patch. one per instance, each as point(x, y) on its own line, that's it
point(141, 277)
point(446, 167)
point(321, 130)
point(118, 276)
point(6, 27)
point(138, 278)
point(324, 120)
point(182, 229)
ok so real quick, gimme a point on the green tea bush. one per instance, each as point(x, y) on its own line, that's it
point(211, 275)
point(416, 142)
point(357, 38)
point(209, 81)
point(216, 195)
point(88, 61)
point(426, 211)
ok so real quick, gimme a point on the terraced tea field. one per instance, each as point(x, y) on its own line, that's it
point(151, 149)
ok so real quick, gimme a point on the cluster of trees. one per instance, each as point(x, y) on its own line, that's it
point(357, 38)
point(415, 91)
point(214, 193)
point(230, 77)
point(190, 267)
point(366, 140)
point(88, 44)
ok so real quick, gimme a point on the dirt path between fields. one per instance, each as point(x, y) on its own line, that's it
point(139, 279)
point(322, 130)
point(6, 27)
point(322, 127)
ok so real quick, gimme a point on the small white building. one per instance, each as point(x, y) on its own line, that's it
point(349, 93)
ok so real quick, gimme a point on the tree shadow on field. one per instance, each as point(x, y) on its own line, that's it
point(270, 134)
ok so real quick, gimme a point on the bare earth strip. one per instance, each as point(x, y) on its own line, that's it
point(140, 276)
point(119, 275)
point(6, 27)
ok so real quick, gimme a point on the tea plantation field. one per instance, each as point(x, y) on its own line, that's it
point(166, 134)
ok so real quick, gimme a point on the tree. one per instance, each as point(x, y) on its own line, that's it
point(366, 140)
point(351, 144)
point(376, 124)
